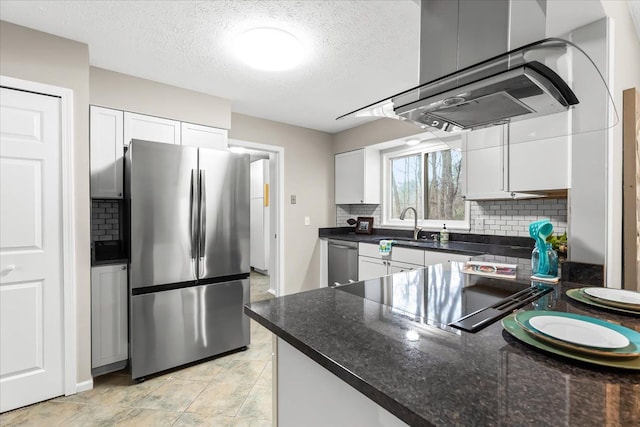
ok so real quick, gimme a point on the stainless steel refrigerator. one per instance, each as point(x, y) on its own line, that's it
point(188, 233)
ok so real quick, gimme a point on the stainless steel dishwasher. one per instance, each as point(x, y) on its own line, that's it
point(343, 262)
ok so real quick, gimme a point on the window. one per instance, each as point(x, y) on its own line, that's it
point(428, 180)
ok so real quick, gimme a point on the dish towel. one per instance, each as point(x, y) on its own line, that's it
point(385, 247)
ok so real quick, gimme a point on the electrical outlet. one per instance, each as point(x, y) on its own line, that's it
point(293, 199)
point(307, 220)
point(478, 223)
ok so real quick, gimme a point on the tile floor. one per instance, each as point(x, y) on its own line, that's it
point(234, 390)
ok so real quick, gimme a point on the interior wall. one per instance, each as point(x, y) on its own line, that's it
point(381, 130)
point(308, 174)
point(129, 93)
point(40, 57)
point(626, 74)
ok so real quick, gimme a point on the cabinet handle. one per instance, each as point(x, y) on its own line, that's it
point(124, 267)
point(513, 195)
point(8, 269)
point(464, 197)
point(119, 194)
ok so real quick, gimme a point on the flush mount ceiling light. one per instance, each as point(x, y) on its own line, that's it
point(268, 49)
point(413, 141)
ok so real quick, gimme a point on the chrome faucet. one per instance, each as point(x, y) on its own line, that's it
point(416, 229)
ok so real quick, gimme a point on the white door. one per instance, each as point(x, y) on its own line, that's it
point(31, 322)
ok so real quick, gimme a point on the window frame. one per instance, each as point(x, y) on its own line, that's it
point(426, 224)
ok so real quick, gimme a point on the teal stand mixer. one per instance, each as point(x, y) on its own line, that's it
point(539, 231)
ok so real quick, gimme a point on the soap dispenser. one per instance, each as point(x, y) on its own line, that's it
point(444, 234)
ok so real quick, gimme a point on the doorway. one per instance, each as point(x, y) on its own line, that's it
point(267, 263)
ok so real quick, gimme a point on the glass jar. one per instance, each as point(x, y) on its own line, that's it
point(552, 261)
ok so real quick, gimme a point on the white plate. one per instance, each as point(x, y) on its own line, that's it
point(579, 332)
point(616, 295)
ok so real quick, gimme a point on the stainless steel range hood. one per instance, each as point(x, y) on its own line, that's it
point(467, 88)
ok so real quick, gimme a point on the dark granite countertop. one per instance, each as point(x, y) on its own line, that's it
point(109, 262)
point(446, 376)
point(518, 247)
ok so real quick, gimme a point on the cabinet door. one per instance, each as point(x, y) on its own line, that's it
point(349, 177)
point(538, 163)
point(107, 148)
point(399, 267)
point(257, 235)
point(149, 128)
point(370, 268)
point(108, 315)
point(407, 256)
point(204, 136)
point(439, 257)
point(483, 159)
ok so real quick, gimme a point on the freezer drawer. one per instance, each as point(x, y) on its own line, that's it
point(172, 328)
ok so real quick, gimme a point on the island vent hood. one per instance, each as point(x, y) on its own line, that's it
point(475, 79)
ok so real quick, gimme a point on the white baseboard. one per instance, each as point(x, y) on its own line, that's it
point(84, 386)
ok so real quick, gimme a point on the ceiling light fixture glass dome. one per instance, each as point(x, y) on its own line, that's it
point(268, 49)
point(412, 141)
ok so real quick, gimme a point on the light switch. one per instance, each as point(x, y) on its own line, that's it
point(307, 220)
point(293, 199)
point(478, 223)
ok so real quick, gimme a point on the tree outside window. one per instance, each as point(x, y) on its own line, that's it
point(428, 181)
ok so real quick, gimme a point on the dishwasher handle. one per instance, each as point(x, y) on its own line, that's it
point(341, 246)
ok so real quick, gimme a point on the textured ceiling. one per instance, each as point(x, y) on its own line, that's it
point(356, 52)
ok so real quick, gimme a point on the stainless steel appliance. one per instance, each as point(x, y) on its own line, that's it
point(486, 63)
point(188, 233)
point(343, 262)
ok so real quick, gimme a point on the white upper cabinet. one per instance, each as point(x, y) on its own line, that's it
point(204, 136)
point(483, 164)
point(357, 177)
point(107, 149)
point(538, 163)
point(504, 162)
point(149, 128)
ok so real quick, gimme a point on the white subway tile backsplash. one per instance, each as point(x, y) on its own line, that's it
point(512, 217)
point(344, 212)
point(501, 217)
point(105, 220)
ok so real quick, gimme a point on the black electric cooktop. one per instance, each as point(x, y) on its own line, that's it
point(441, 295)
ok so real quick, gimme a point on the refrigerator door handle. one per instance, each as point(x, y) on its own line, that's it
point(193, 215)
point(203, 214)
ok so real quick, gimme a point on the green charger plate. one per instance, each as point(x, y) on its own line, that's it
point(578, 295)
point(632, 350)
point(511, 326)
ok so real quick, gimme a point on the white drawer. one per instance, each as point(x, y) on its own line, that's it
point(439, 257)
point(368, 249)
point(410, 256)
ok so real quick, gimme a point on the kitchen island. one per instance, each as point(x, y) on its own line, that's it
point(416, 370)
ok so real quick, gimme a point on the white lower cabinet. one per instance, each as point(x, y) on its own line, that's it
point(370, 268)
point(439, 257)
point(372, 265)
point(108, 317)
